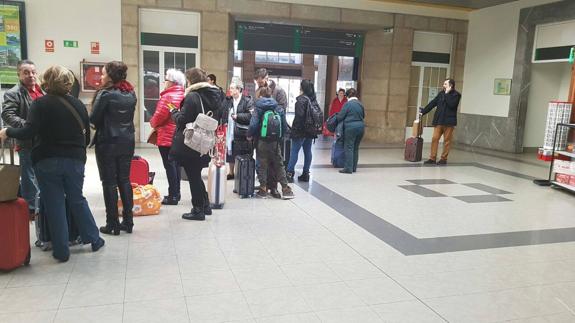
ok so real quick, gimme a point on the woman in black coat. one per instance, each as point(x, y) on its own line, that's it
point(237, 114)
point(113, 116)
point(200, 93)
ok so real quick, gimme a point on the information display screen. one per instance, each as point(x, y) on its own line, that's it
point(12, 40)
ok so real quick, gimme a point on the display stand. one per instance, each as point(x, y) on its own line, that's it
point(571, 155)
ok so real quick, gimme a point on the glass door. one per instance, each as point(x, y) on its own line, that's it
point(155, 62)
point(426, 82)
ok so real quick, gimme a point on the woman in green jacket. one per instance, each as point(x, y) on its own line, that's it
point(352, 116)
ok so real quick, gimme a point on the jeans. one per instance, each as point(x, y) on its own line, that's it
point(271, 168)
point(296, 145)
point(172, 172)
point(62, 179)
point(28, 184)
point(351, 140)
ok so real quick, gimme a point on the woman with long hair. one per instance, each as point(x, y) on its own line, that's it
point(201, 97)
point(300, 137)
point(113, 117)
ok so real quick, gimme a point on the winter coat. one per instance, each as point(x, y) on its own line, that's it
point(243, 114)
point(162, 119)
point(446, 113)
point(263, 105)
point(15, 110)
point(113, 116)
point(211, 97)
point(336, 105)
point(302, 104)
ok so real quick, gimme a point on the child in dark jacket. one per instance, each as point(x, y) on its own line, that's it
point(268, 151)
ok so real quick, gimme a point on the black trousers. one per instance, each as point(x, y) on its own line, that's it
point(115, 175)
point(197, 187)
point(172, 172)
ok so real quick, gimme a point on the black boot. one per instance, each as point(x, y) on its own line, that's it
point(289, 177)
point(304, 177)
point(128, 203)
point(207, 207)
point(111, 200)
point(197, 214)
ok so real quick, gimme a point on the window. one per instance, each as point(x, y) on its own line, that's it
point(237, 71)
point(238, 54)
point(345, 72)
point(278, 58)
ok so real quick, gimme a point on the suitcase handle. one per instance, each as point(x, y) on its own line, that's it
point(3, 151)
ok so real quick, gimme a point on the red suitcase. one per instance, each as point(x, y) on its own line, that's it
point(14, 234)
point(140, 171)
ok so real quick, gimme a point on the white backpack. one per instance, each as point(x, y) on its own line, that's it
point(200, 135)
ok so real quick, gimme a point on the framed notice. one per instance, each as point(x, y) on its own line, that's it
point(13, 45)
point(502, 87)
point(91, 76)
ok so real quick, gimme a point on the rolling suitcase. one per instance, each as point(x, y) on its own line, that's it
point(286, 150)
point(337, 154)
point(140, 171)
point(245, 173)
point(217, 177)
point(43, 231)
point(414, 145)
point(14, 234)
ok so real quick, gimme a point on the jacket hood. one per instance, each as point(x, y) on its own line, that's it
point(211, 95)
point(266, 104)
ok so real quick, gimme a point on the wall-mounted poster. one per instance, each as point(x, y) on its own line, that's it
point(91, 76)
point(12, 40)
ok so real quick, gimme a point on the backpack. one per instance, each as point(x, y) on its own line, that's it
point(200, 135)
point(271, 126)
point(313, 124)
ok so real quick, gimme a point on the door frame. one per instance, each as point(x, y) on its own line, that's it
point(145, 128)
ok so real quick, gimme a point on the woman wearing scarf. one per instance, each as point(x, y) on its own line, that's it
point(113, 117)
point(237, 114)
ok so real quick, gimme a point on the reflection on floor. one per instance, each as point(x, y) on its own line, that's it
point(474, 241)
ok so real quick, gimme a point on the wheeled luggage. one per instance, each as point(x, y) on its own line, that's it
point(286, 150)
point(140, 171)
point(337, 154)
point(43, 231)
point(14, 234)
point(414, 145)
point(245, 173)
point(217, 177)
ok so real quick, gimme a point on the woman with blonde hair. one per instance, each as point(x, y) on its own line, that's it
point(59, 123)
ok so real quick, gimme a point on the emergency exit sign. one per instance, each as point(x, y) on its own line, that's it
point(71, 43)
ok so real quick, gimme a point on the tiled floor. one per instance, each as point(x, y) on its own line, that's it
point(338, 252)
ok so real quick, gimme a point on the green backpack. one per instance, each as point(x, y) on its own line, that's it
point(271, 126)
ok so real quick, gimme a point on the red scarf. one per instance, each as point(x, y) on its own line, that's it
point(124, 86)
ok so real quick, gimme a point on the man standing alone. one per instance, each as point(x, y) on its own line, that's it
point(444, 121)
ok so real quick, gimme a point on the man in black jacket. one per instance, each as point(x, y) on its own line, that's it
point(15, 111)
point(444, 121)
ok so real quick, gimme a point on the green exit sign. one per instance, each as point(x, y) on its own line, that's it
point(71, 43)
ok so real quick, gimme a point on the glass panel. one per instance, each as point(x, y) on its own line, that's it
point(296, 58)
point(261, 57)
point(238, 71)
point(426, 76)
point(180, 61)
point(190, 61)
point(316, 60)
point(284, 58)
point(442, 74)
point(151, 74)
point(273, 57)
point(345, 69)
point(168, 60)
point(237, 53)
point(150, 108)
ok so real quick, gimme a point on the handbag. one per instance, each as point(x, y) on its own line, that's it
point(331, 123)
point(200, 135)
point(147, 200)
point(9, 176)
point(153, 137)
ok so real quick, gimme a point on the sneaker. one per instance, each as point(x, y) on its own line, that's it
point(289, 176)
point(287, 193)
point(98, 244)
point(304, 177)
point(262, 192)
point(429, 162)
point(197, 214)
point(275, 193)
point(442, 162)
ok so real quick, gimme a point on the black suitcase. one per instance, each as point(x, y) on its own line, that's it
point(286, 151)
point(245, 173)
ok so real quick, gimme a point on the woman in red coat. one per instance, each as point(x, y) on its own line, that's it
point(165, 127)
point(337, 102)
